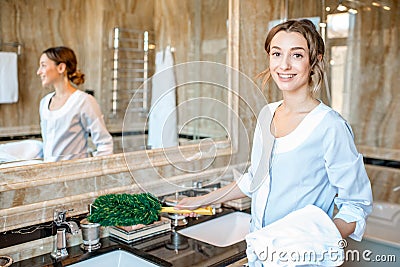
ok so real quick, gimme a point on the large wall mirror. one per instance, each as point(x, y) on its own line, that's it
point(117, 43)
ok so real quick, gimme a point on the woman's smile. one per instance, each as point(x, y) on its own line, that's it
point(286, 76)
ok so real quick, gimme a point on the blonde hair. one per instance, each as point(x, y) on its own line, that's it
point(315, 44)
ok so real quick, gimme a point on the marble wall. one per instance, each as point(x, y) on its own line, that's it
point(196, 30)
point(374, 83)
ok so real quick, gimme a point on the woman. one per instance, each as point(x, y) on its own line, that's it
point(69, 116)
point(312, 155)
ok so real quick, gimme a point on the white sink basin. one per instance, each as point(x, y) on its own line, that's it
point(222, 231)
point(116, 258)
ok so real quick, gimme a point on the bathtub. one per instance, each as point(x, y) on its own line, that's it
point(381, 243)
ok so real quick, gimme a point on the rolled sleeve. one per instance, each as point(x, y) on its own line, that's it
point(353, 213)
point(346, 171)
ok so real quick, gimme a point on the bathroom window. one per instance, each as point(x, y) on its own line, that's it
point(338, 32)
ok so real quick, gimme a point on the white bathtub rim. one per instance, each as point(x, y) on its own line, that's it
point(379, 240)
point(385, 211)
point(383, 224)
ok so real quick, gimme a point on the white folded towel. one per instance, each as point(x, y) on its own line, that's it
point(306, 237)
point(8, 78)
point(21, 150)
point(162, 118)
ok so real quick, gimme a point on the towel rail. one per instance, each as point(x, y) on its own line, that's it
point(131, 55)
point(12, 44)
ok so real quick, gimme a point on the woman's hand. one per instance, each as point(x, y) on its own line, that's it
point(345, 228)
point(228, 192)
point(190, 203)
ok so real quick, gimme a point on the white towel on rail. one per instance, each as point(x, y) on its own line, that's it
point(8, 78)
point(162, 130)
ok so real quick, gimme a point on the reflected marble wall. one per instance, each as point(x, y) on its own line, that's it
point(384, 180)
point(374, 84)
point(197, 31)
point(84, 26)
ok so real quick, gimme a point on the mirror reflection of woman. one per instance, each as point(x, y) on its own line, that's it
point(68, 116)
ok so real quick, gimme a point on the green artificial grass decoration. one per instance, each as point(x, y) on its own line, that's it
point(125, 209)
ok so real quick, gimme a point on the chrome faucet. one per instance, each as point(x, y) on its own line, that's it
point(60, 240)
point(198, 184)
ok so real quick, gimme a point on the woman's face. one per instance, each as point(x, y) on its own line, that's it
point(49, 72)
point(289, 61)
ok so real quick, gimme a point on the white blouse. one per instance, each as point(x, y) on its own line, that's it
point(65, 131)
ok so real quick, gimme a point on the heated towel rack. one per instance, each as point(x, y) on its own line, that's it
point(132, 65)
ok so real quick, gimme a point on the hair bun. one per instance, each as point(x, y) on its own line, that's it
point(77, 77)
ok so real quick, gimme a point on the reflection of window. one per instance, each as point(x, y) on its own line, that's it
point(314, 20)
point(338, 25)
point(337, 62)
point(339, 28)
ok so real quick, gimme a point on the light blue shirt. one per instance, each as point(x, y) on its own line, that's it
point(317, 164)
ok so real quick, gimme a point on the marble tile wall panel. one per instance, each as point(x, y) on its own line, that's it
point(37, 28)
point(384, 182)
point(61, 189)
point(197, 31)
point(374, 84)
point(253, 26)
